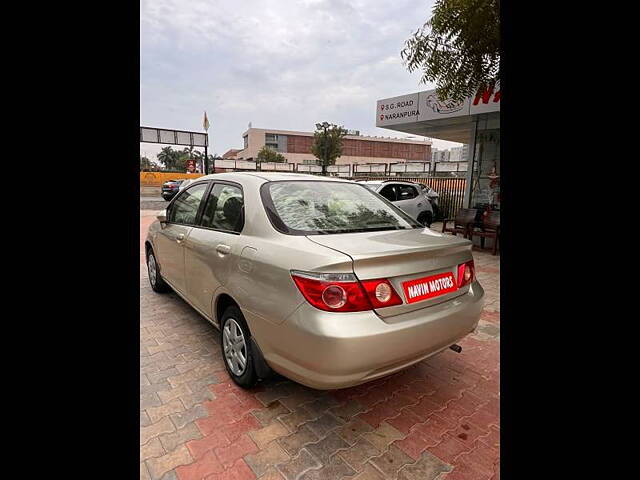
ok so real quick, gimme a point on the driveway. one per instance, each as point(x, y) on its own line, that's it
point(439, 419)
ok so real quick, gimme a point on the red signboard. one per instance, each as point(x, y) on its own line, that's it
point(429, 287)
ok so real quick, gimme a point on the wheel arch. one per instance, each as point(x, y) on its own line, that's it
point(147, 247)
point(221, 303)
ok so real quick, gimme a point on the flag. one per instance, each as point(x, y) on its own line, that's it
point(205, 122)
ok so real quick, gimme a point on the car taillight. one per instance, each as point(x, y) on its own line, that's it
point(466, 273)
point(343, 292)
point(381, 293)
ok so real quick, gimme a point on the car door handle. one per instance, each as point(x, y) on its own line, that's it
point(223, 249)
point(420, 204)
point(180, 237)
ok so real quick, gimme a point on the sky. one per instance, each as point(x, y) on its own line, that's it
point(275, 63)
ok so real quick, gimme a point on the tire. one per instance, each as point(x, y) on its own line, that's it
point(425, 218)
point(232, 324)
point(158, 285)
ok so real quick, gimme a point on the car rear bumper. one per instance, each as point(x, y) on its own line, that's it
point(327, 350)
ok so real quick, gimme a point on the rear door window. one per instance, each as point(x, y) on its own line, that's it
point(224, 209)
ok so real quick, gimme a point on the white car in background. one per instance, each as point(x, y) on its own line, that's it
point(413, 198)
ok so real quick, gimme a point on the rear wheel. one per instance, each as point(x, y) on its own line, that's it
point(158, 285)
point(425, 218)
point(235, 340)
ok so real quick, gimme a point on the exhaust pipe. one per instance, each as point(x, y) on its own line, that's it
point(456, 348)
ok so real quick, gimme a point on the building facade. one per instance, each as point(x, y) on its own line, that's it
point(232, 153)
point(451, 162)
point(356, 149)
point(474, 122)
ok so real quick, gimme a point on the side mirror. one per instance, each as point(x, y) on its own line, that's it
point(162, 216)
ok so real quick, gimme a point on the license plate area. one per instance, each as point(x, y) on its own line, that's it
point(428, 287)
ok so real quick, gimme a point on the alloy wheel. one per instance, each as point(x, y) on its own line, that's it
point(235, 347)
point(153, 269)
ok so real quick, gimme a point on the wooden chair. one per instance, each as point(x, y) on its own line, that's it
point(490, 228)
point(462, 222)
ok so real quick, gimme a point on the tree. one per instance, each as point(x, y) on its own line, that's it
point(267, 154)
point(173, 159)
point(458, 48)
point(327, 143)
point(145, 163)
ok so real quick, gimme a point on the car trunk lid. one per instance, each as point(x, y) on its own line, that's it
point(403, 256)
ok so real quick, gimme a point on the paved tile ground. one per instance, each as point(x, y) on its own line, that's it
point(440, 419)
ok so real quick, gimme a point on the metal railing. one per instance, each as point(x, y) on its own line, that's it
point(450, 189)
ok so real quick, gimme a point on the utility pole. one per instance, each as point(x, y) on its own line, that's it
point(205, 126)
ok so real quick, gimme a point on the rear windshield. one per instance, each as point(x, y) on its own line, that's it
point(319, 207)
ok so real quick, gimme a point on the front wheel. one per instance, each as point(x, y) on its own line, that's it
point(235, 340)
point(158, 285)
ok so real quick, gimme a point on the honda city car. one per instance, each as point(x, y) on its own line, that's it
point(319, 279)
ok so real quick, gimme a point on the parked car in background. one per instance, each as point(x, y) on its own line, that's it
point(170, 188)
point(317, 278)
point(411, 197)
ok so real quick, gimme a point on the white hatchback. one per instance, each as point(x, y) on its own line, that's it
point(410, 197)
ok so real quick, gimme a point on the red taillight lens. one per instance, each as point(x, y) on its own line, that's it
point(334, 296)
point(466, 273)
point(381, 293)
point(343, 292)
point(332, 292)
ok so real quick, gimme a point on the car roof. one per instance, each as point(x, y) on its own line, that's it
point(406, 182)
point(270, 176)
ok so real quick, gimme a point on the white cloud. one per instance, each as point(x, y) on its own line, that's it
point(277, 63)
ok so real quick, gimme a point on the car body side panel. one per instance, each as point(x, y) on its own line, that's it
point(170, 253)
point(205, 268)
point(261, 273)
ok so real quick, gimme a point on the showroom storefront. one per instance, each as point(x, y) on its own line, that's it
point(474, 121)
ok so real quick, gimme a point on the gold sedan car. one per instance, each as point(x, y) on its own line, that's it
point(320, 279)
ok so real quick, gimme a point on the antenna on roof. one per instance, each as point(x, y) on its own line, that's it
point(249, 124)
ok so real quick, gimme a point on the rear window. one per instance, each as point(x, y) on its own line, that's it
point(317, 207)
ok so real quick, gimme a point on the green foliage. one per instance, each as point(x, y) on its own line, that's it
point(176, 160)
point(145, 163)
point(458, 48)
point(267, 154)
point(327, 142)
